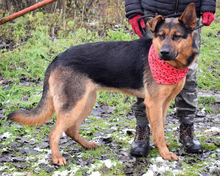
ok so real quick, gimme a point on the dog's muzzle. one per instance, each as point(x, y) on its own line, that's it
point(167, 55)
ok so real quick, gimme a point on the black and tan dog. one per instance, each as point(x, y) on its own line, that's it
point(74, 77)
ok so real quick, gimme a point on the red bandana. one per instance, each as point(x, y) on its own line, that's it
point(162, 72)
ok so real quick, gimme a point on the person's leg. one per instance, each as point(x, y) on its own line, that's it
point(140, 145)
point(186, 105)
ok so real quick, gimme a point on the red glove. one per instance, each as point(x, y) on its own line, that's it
point(134, 24)
point(207, 18)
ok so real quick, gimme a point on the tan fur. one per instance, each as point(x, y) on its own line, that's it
point(39, 119)
point(138, 93)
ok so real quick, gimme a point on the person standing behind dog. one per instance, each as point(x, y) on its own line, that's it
point(186, 101)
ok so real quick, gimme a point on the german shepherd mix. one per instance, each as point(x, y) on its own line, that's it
point(74, 77)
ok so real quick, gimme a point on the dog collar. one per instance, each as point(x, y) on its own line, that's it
point(162, 72)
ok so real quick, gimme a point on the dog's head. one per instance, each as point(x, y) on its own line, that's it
point(173, 38)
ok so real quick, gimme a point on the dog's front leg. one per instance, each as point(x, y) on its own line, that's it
point(155, 116)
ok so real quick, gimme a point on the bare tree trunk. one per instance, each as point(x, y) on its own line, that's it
point(8, 5)
point(32, 2)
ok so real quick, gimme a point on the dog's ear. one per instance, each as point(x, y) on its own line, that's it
point(154, 22)
point(189, 16)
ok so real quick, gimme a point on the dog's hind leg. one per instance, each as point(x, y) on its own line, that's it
point(54, 136)
point(73, 131)
point(65, 120)
point(70, 91)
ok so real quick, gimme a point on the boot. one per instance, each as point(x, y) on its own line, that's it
point(188, 139)
point(140, 145)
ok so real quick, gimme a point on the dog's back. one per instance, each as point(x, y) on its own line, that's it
point(120, 66)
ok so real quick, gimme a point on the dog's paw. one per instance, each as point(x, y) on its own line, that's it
point(59, 160)
point(92, 145)
point(170, 156)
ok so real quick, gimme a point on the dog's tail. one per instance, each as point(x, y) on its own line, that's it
point(41, 113)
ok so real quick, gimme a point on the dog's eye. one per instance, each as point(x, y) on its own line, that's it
point(176, 37)
point(161, 36)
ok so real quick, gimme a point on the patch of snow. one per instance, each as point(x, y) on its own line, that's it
point(5, 149)
point(125, 130)
point(63, 173)
point(217, 162)
point(203, 110)
point(212, 132)
point(74, 169)
point(160, 159)
point(43, 150)
point(64, 134)
point(3, 168)
point(42, 158)
point(94, 166)
point(109, 163)
point(175, 128)
point(28, 136)
point(213, 155)
point(6, 135)
point(149, 173)
point(114, 128)
point(97, 173)
point(79, 155)
point(18, 173)
point(161, 166)
point(109, 135)
point(131, 141)
point(123, 138)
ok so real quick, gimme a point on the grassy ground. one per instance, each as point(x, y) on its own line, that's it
point(21, 75)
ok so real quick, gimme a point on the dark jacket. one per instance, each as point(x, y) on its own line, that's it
point(166, 7)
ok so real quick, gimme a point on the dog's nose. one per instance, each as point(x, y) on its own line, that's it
point(164, 52)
